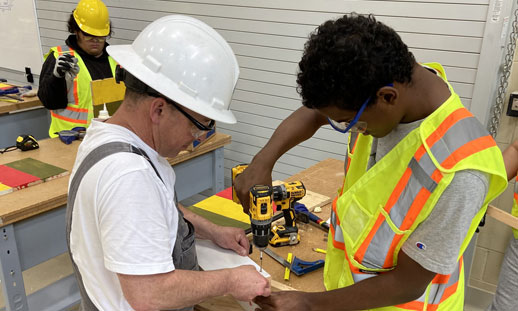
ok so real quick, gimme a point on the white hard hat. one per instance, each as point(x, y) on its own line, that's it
point(185, 60)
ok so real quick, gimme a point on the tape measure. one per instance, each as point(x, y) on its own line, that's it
point(26, 142)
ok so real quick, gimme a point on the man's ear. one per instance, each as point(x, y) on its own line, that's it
point(388, 95)
point(157, 106)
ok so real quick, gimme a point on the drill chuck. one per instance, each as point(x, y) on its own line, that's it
point(261, 232)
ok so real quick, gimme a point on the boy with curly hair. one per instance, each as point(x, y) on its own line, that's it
point(419, 171)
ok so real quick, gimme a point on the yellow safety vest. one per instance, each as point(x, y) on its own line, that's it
point(378, 208)
point(79, 110)
point(514, 211)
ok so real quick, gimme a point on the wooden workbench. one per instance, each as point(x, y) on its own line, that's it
point(28, 102)
point(27, 117)
point(325, 178)
point(32, 220)
point(33, 200)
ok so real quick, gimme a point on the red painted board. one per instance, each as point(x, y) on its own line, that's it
point(16, 179)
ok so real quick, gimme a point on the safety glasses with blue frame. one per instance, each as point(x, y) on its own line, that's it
point(355, 125)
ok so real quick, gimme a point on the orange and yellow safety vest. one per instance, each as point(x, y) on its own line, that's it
point(378, 208)
point(79, 110)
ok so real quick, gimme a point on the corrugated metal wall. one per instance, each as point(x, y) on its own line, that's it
point(268, 38)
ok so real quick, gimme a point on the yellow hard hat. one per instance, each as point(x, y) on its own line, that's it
point(92, 17)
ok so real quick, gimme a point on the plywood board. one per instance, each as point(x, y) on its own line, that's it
point(27, 103)
point(502, 216)
point(312, 199)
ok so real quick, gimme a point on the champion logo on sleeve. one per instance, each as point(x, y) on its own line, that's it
point(421, 246)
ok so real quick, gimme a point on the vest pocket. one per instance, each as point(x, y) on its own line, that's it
point(378, 255)
point(359, 221)
point(354, 220)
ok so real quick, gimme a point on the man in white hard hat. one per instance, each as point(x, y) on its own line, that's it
point(132, 244)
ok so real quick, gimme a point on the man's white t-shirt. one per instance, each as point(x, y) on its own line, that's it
point(124, 218)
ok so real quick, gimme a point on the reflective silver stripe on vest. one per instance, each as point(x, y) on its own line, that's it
point(65, 49)
point(338, 236)
point(421, 177)
point(379, 246)
point(461, 133)
point(70, 93)
point(67, 113)
point(436, 291)
point(360, 277)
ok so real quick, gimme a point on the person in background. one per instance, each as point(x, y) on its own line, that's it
point(131, 242)
point(506, 295)
point(419, 172)
point(64, 86)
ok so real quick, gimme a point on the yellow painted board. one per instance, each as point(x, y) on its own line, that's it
point(222, 206)
point(4, 189)
point(106, 91)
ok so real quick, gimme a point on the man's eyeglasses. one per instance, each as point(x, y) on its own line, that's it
point(200, 126)
point(89, 37)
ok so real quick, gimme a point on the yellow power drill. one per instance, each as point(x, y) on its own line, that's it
point(261, 211)
point(285, 195)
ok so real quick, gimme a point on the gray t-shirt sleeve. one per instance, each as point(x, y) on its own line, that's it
point(436, 242)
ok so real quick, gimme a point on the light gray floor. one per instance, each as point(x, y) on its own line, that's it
point(477, 300)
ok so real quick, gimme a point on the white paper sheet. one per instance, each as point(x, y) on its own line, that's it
point(213, 257)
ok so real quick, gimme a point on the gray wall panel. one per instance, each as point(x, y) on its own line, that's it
point(268, 38)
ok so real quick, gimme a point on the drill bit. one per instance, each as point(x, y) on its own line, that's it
point(261, 259)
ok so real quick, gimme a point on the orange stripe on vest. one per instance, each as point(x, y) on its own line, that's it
point(468, 149)
point(453, 118)
point(77, 109)
point(394, 196)
point(55, 115)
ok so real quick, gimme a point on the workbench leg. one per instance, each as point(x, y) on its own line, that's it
point(218, 176)
point(11, 272)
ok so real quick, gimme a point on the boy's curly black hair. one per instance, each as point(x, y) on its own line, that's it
point(347, 60)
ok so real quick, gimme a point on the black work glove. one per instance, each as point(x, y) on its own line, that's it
point(66, 67)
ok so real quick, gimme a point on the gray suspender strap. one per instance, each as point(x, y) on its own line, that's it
point(90, 160)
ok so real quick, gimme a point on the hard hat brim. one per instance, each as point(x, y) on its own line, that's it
point(126, 56)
